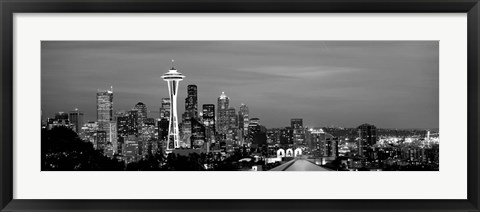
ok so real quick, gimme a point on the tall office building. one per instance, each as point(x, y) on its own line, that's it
point(61, 119)
point(323, 144)
point(76, 119)
point(232, 131)
point(198, 134)
point(286, 138)
point(128, 125)
point(243, 120)
point(318, 142)
point(253, 128)
point(100, 140)
point(232, 119)
point(104, 109)
point(191, 111)
point(165, 108)
point(367, 135)
point(142, 111)
point(163, 130)
point(222, 114)
point(191, 102)
point(273, 136)
point(298, 132)
point(257, 134)
point(208, 116)
point(173, 78)
point(112, 145)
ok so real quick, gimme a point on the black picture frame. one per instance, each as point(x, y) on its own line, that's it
point(9, 7)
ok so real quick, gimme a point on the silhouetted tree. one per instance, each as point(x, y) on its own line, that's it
point(153, 162)
point(63, 150)
point(192, 162)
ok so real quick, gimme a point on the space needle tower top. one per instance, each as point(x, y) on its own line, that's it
point(173, 77)
point(173, 74)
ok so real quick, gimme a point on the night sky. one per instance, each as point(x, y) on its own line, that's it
point(391, 84)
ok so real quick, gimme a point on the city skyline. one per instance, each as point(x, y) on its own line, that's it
point(403, 94)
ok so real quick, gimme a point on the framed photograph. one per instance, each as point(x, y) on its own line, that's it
point(230, 105)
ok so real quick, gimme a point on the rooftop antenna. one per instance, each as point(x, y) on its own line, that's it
point(173, 61)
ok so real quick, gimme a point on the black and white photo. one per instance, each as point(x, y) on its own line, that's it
point(240, 105)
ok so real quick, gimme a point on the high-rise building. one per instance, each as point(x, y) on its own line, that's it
point(104, 109)
point(286, 138)
point(367, 135)
point(198, 134)
point(100, 140)
point(173, 78)
point(146, 131)
point(122, 127)
point(273, 136)
point(112, 144)
point(142, 110)
point(253, 128)
point(60, 119)
point(191, 102)
point(318, 142)
point(89, 132)
point(61, 116)
point(232, 130)
point(165, 108)
point(128, 125)
point(222, 113)
point(243, 120)
point(298, 132)
point(257, 134)
point(163, 130)
point(208, 115)
point(232, 119)
point(323, 144)
point(191, 111)
point(76, 119)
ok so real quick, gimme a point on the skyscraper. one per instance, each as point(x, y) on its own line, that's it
point(76, 119)
point(243, 120)
point(232, 119)
point(198, 134)
point(209, 115)
point(298, 132)
point(222, 113)
point(163, 123)
point(257, 133)
point(104, 109)
point(173, 78)
point(165, 108)
point(61, 119)
point(253, 128)
point(142, 110)
point(367, 135)
point(208, 112)
point(286, 138)
point(128, 124)
point(232, 130)
point(318, 142)
point(163, 130)
point(191, 102)
point(191, 111)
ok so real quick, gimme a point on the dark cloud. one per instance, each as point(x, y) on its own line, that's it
point(392, 84)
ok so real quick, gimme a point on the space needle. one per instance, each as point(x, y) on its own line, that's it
point(173, 77)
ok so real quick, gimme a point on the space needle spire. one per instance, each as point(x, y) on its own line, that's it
point(173, 78)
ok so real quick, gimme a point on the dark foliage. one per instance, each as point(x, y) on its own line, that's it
point(150, 163)
point(63, 150)
point(192, 162)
